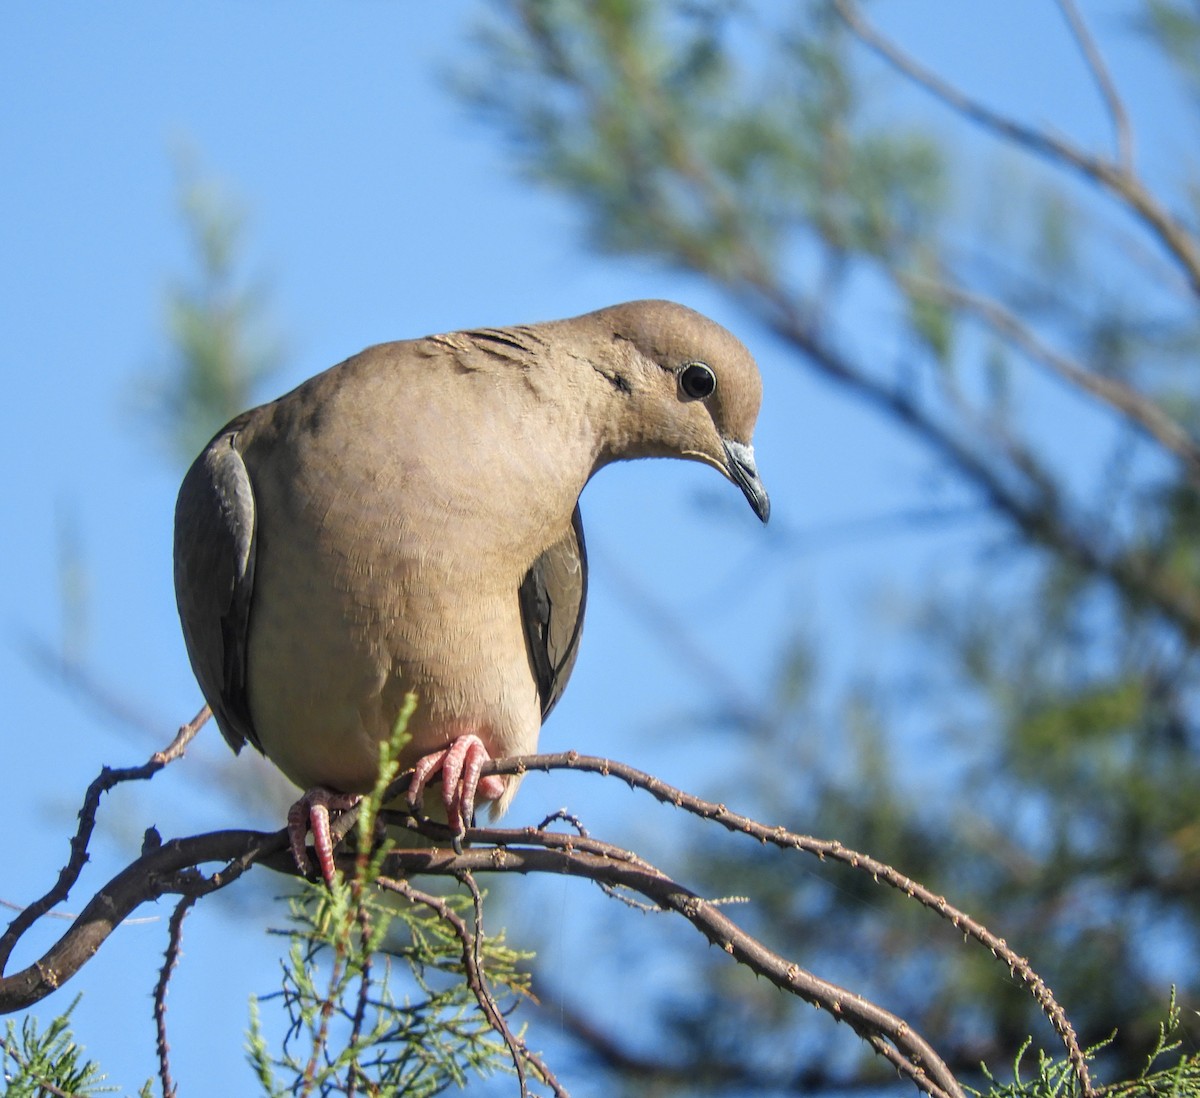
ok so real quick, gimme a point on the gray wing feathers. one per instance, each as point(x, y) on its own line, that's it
point(553, 596)
point(214, 579)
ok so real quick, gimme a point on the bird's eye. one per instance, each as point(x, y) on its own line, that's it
point(697, 381)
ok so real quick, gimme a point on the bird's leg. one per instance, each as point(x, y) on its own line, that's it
point(312, 811)
point(460, 765)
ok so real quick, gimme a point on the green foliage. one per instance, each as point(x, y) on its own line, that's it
point(33, 1061)
point(675, 151)
point(1167, 1071)
point(349, 1029)
point(220, 353)
point(1175, 27)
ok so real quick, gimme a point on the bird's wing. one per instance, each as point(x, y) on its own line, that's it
point(552, 597)
point(214, 579)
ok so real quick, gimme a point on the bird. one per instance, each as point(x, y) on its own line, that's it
point(408, 521)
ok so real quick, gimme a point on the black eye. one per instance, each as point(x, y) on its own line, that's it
point(697, 381)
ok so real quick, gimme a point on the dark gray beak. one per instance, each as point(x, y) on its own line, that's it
point(744, 473)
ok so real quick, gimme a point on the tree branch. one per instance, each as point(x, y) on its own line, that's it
point(1041, 520)
point(1123, 399)
point(1115, 178)
point(170, 960)
point(1104, 82)
point(172, 867)
point(822, 849)
point(87, 822)
point(513, 853)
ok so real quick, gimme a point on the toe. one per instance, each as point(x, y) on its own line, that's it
point(312, 812)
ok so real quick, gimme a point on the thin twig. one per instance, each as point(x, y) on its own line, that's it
point(321, 1033)
point(476, 980)
point(1125, 400)
point(69, 874)
point(1104, 82)
point(477, 939)
point(364, 992)
point(187, 732)
point(170, 960)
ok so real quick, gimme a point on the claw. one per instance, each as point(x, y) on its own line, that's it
point(311, 812)
point(462, 781)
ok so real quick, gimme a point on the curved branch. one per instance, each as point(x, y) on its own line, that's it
point(69, 874)
point(172, 868)
point(903, 1046)
point(1122, 398)
point(1104, 82)
point(1116, 178)
point(164, 870)
point(822, 849)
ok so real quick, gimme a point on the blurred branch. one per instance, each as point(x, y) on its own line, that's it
point(81, 683)
point(1117, 178)
point(1039, 515)
point(1122, 398)
point(1104, 81)
point(670, 182)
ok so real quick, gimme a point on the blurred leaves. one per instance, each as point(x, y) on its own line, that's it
point(1040, 340)
point(1175, 27)
point(221, 350)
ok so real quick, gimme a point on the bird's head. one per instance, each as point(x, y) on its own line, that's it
point(683, 386)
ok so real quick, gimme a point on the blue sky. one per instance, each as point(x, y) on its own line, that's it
point(377, 208)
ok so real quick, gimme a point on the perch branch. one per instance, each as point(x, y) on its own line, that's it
point(822, 849)
point(172, 867)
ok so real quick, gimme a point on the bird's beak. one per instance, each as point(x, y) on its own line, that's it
point(740, 468)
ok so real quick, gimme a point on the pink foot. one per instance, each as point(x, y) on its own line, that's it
point(312, 811)
point(460, 764)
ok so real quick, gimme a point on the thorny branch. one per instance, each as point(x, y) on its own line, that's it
point(175, 937)
point(515, 852)
point(822, 849)
point(171, 867)
point(83, 835)
point(476, 977)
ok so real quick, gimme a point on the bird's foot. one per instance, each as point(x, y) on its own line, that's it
point(460, 765)
point(311, 812)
